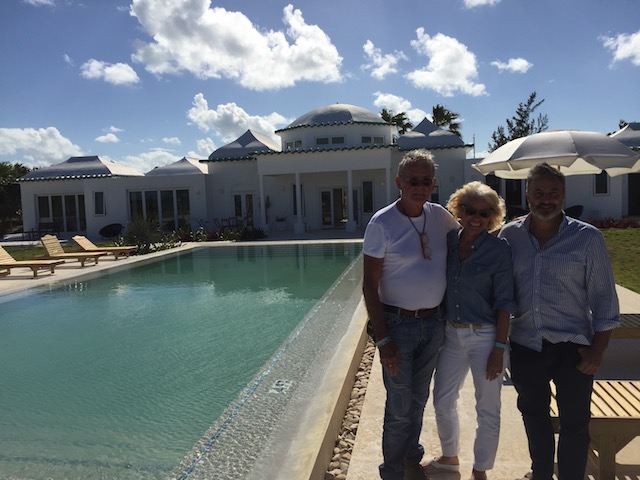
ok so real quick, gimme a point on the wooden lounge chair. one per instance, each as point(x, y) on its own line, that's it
point(7, 262)
point(88, 246)
point(54, 250)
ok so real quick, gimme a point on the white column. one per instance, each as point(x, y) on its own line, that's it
point(388, 179)
point(351, 223)
point(263, 204)
point(299, 226)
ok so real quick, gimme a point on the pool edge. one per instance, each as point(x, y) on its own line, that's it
point(312, 446)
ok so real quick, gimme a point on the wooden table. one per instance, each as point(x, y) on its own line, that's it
point(629, 328)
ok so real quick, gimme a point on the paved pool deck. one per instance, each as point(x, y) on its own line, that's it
point(622, 361)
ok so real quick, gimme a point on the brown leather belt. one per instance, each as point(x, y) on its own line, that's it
point(421, 313)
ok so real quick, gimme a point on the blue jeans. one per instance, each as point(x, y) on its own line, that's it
point(531, 372)
point(419, 341)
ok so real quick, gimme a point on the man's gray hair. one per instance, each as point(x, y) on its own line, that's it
point(420, 156)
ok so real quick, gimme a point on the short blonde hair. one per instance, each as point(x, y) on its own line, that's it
point(478, 190)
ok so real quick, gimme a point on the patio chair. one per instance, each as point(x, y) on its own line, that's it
point(53, 249)
point(7, 262)
point(118, 252)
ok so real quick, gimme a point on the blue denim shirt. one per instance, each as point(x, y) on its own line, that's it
point(483, 283)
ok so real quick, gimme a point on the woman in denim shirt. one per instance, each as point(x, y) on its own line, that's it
point(479, 300)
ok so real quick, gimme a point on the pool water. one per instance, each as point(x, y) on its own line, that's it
point(119, 376)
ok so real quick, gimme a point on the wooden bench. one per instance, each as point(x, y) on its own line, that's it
point(615, 421)
point(629, 326)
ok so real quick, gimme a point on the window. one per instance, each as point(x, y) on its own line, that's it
point(170, 208)
point(322, 141)
point(493, 182)
point(99, 207)
point(601, 183)
point(367, 196)
point(368, 140)
point(337, 140)
point(293, 145)
point(62, 213)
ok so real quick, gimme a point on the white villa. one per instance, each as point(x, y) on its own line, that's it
point(334, 167)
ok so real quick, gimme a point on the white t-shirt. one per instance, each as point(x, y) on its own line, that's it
point(409, 280)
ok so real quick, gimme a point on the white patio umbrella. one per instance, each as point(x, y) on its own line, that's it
point(573, 152)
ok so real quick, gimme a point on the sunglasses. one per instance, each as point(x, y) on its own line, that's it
point(414, 181)
point(470, 211)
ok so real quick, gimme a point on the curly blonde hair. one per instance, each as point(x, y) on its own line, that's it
point(478, 190)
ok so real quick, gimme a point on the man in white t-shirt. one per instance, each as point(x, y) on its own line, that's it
point(405, 263)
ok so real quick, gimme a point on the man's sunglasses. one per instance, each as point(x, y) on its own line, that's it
point(414, 181)
point(472, 212)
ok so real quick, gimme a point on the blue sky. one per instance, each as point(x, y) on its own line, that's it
point(146, 82)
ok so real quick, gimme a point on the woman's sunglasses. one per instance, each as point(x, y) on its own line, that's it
point(470, 211)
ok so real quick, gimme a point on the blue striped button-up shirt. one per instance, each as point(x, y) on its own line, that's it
point(565, 290)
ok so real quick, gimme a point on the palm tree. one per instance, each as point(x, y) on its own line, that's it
point(400, 120)
point(443, 117)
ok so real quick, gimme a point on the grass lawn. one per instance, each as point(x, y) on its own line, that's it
point(624, 251)
point(623, 246)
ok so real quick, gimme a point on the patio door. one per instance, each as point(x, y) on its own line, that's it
point(334, 207)
point(243, 208)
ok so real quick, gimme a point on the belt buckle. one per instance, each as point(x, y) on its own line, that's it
point(416, 314)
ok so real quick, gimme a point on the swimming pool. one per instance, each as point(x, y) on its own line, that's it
point(120, 376)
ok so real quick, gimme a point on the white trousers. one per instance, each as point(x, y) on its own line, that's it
point(464, 349)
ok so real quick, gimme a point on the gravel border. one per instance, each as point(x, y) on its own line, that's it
point(339, 465)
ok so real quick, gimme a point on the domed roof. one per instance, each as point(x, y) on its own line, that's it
point(337, 114)
point(427, 135)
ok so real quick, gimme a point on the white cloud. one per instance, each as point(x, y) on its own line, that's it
point(115, 129)
point(36, 147)
point(147, 161)
point(480, 3)
point(39, 3)
point(381, 64)
point(108, 138)
point(67, 59)
point(514, 65)
point(397, 105)
point(114, 73)
point(230, 121)
point(452, 67)
point(624, 47)
point(217, 43)
point(204, 148)
point(172, 140)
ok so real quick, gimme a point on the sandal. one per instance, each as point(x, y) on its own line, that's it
point(433, 466)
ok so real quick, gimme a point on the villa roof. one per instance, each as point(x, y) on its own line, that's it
point(81, 167)
point(245, 147)
point(337, 114)
point(184, 166)
point(629, 135)
point(427, 135)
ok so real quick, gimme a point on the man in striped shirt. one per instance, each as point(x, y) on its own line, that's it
point(566, 308)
